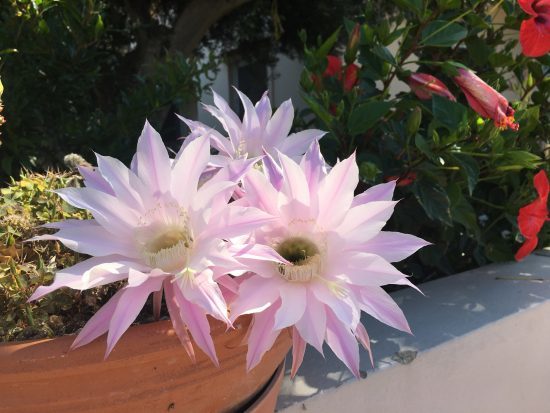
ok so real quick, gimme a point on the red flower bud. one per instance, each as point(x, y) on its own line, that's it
point(350, 77)
point(424, 86)
point(485, 100)
point(353, 44)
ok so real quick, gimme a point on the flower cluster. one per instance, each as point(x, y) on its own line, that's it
point(256, 229)
point(482, 98)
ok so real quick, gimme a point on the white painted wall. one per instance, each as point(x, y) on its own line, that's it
point(284, 83)
point(481, 338)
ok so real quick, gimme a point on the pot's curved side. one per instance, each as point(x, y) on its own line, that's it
point(148, 371)
point(267, 400)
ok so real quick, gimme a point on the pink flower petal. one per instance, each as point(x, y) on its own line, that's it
point(93, 179)
point(87, 237)
point(255, 295)
point(293, 305)
point(110, 212)
point(313, 324)
point(124, 182)
point(278, 127)
point(259, 192)
point(187, 170)
point(93, 272)
point(377, 303)
point(262, 336)
point(197, 323)
point(297, 143)
point(363, 337)
point(204, 292)
point(177, 321)
point(128, 307)
point(336, 192)
point(153, 163)
point(295, 185)
point(366, 269)
point(298, 350)
point(234, 221)
point(381, 192)
point(363, 222)
point(343, 343)
point(393, 246)
point(343, 307)
point(273, 171)
point(98, 324)
point(263, 110)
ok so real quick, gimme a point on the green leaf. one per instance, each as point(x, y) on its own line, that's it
point(415, 6)
point(368, 171)
point(448, 4)
point(478, 50)
point(462, 211)
point(319, 110)
point(528, 120)
point(325, 48)
point(434, 200)
point(469, 168)
point(365, 116)
point(424, 147)
point(383, 53)
point(451, 115)
point(441, 33)
point(517, 160)
point(98, 29)
point(501, 59)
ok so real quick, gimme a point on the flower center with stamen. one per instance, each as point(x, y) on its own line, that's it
point(170, 250)
point(305, 257)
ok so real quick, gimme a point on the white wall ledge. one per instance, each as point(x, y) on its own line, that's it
point(481, 340)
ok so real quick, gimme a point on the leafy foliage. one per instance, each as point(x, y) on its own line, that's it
point(461, 179)
point(24, 205)
point(73, 82)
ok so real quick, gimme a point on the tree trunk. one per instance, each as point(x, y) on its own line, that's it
point(195, 20)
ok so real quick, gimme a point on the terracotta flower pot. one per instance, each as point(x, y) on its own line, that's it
point(148, 371)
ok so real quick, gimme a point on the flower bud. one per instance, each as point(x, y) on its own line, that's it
point(485, 100)
point(424, 86)
point(353, 44)
point(413, 122)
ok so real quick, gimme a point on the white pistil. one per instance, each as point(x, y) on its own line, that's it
point(302, 271)
point(170, 259)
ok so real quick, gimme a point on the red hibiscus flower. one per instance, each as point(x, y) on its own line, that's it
point(532, 216)
point(334, 69)
point(424, 86)
point(534, 34)
point(485, 100)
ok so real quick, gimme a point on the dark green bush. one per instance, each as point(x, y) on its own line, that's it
point(72, 84)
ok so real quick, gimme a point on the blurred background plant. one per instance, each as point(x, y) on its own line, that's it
point(461, 179)
point(82, 75)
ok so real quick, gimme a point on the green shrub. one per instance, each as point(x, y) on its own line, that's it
point(24, 206)
point(72, 83)
point(462, 180)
